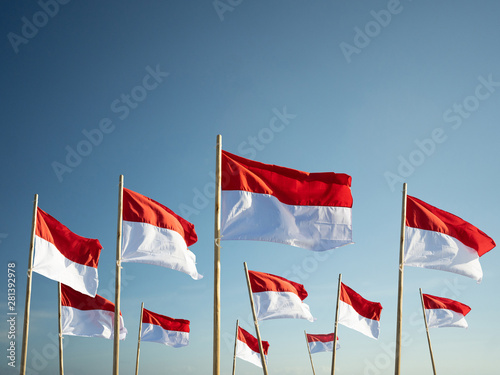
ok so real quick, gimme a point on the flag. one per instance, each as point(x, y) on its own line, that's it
point(358, 313)
point(154, 234)
point(164, 330)
point(440, 240)
point(276, 297)
point(444, 312)
point(321, 342)
point(64, 256)
point(270, 203)
point(247, 348)
point(82, 315)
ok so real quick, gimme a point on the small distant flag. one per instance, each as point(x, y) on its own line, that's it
point(164, 330)
point(321, 342)
point(247, 348)
point(444, 312)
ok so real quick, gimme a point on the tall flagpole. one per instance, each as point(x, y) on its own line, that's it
point(235, 343)
point(400, 285)
point(256, 323)
point(139, 341)
point(310, 356)
point(59, 313)
point(334, 349)
point(427, 330)
point(28, 290)
point(116, 332)
point(216, 339)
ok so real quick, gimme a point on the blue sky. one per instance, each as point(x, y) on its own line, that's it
point(385, 91)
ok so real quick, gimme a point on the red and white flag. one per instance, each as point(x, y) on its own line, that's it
point(444, 312)
point(358, 313)
point(276, 297)
point(154, 234)
point(321, 342)
point(266, 202)
point(440, 240)
point(64, 256)
point(82, 315)
point(164, 330)
point(247, 348)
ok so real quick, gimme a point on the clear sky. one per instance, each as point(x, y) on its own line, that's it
point(386, 91)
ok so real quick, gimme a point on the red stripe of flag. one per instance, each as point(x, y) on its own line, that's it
point(327, 337)
point(167, 323)
point(251, 341)
point(265, 282)
point(365, 308)
point(77, 300)
point(434, 302)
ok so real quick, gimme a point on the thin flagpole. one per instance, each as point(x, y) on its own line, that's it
point(235, 342)
point(59, 313)
point(334, 349)
point(216, 339)
point(116, 333)
point(427, 330)
point(139, 341)
point(24, 349)
point(310, 356)
point(261, 349)
point(400, 285)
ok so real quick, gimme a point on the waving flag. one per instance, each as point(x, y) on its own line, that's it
point(321, 342)
point(444, 312)
point(358, 313)
point(154, 234)
point(64, 256)
point(440, 240)
point(82, 315)
point(164, 330)
point(270, 203)
point(276, 297)
point(247, 347)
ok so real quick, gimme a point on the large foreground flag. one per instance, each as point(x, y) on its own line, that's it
point(270, 203)
point(276, 297)
point(440, 240)
point(444, 312)
point(82, 315)
point(164, 330)
point(154, 234)
point(64, 256)
point(247, 348)
point(321, 342)
point(358, 313)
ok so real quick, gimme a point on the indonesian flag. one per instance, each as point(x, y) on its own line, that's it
point(270, 203)
point(358, 313)
point(82, 315)
point(247, 348)
point(164, 330)
point(64, 256)
point(154, 234)
point(276, 297)
point(444, 312)
point(321, 342)
point(440, 240)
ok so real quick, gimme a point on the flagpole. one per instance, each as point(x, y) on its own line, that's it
point(400, 286)
point(235, 342)
point(310, 356)
point(256, 323)
point(216, 338)
point(59, 313)
point(116, 332)
point(427, 331)
point(139, 341)
point(24, 348)
point(334, 349)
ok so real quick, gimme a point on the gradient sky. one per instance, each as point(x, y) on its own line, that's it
point(385, 91)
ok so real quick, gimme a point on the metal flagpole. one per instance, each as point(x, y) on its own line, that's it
point(427, 330)
point(216, 333)
point(235, 342)
point(116, 333)
point(334, 349)
point(139, 341)
point(310, 356)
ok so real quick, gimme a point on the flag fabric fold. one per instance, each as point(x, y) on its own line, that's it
point(154, 234)
point(164, 330)
point(86, 316)
point(247, 348)
point(276, 297)
point(266, 202)
point(358, 313)
point(321, 342)
point(439, 240)
point(64, 256)
point(444, 312)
